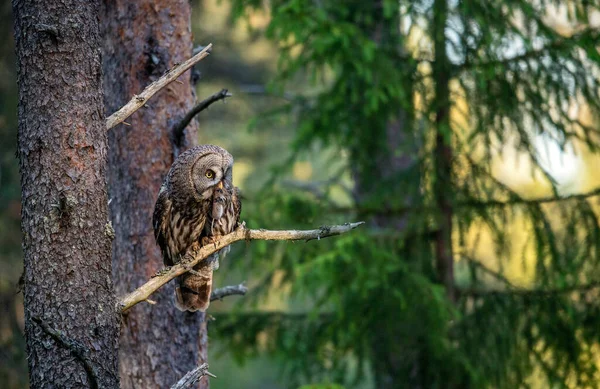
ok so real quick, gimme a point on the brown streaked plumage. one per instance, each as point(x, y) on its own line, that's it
point(196, 204)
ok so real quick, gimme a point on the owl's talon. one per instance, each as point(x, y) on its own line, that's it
point(195, 246)
point(210, 239)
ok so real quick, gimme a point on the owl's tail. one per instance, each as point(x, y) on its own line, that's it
point(193, 292)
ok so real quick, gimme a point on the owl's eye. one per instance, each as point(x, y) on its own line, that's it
point(209, 174)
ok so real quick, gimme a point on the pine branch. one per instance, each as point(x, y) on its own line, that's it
point(192, 377)
point(140, 100)
point(195, 256)
point(230, 290)
point(201, 106)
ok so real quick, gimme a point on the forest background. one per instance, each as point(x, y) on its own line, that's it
point(521, 308)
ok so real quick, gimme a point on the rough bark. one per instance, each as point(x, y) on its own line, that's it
point(62, 148)
point(143, 39)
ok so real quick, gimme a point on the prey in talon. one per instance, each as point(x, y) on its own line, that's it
point(221, 212)
point(224, 218)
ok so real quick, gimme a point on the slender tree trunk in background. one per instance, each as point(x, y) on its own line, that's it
point(62, 150)
point(391, 349)
point(398, 360)
point(143, 39)
point(443, 150)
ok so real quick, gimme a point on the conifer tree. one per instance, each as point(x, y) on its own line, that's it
point(422, 97)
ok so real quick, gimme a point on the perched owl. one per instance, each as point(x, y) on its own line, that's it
point(196, 204)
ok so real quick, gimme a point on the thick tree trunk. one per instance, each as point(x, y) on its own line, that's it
point(71, 324)
point(143, 39)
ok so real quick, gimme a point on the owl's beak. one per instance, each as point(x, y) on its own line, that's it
point(220, 185)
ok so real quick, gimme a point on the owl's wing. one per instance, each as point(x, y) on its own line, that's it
point(160, 218)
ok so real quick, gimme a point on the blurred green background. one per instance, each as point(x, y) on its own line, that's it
point(318, 86)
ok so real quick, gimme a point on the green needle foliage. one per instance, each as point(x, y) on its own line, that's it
point(419, 97)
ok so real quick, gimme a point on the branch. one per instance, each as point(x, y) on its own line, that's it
point(533, 201)
point(139, 100)
point(76, 348)
point(521, 292)
point(193, 257)
point(230, 290)
point(201, 106)
point(373, 210)
point(559, 44)
point(192, 377)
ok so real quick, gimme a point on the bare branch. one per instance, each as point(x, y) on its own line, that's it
point(193, 257)
point(192, 377)
point(76, 348)
point(230, 290)
point(140, 100)
point(201, 106)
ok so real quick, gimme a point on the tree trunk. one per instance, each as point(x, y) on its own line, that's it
point(392, 351)
point(443, 150)
point(397, 360)
point(143, 39)
point(71, 324)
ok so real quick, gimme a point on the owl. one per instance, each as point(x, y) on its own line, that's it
point(197, 203)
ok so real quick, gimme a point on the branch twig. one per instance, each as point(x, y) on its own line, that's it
point(193, 257)
point(138, 101)
point(76, 348)
point(230, 290)
point(193, 376)
point(201, 106)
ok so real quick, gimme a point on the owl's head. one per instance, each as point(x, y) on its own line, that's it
point(201, 169)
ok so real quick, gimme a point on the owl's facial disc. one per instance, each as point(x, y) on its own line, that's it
point(209, 180)
point(206, 173)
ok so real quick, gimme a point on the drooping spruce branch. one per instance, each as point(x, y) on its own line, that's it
point(523, 292)
point(469, 204)
point(140, 100)
point(194, 256)
point(567, 43)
